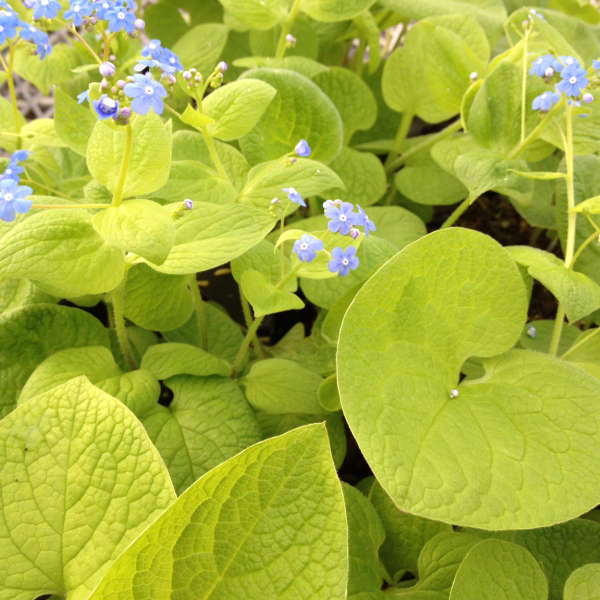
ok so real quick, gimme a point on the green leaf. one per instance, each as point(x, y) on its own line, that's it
point(30, 334)
point(164, 23)
point(429, 185)
point(331, 11)
point(403, 342)
point(7, 123)
point(266, 180)
point(157, 301)
point(166, 360)
point(237, 107)
point(352, 97)
point(493, 565)
point(279, 386)
point(16, 293)
point(61, 251)
point(363, 176)
point(365, 536)
point(268, 523)
point(300, 110)
point(150, 158)
point(139, 226)
point(583, 349)
point(201, 46)
point(578, 294)
point(73, 122)
point(584, 583)
point(329, 397)
point(257, 14)
point(265, 297)
point(101, 481)
point(591, 205)
point(207, 422)
point(193, 117)
point(209, 235)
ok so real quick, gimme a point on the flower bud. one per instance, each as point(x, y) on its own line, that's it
point(186, 75)
point(454, 393)
point(354, 233)
point(120, 84)
point(290, 41)
point(531, 331)
point(139, 24)
point(473, 76)
point(549, 72)
point(587, 98)
point(188, 203)
point(223, 66)
point(107, 69)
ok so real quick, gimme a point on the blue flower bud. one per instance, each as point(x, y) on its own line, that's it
point(302, 148)
point(107, 69)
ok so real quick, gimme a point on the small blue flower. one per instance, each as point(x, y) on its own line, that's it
point(103, 6)
point(531, 331)
point(146, 93)
point(341, 217)
point(545, 101)
point(573, 78)
point(152, 49)
point(83, 96)
point(13, 199)
point(341, 262)
point(8, 25)
point(170, 58)
point(20, 156)
point(188, 203)
point(306, 247)
point(596, 64)
point(47, 9)
point(363, 221)
point(106, 107)
point(302, 148)
point(120, 19)
point(541, 64)
point(78, 10)
point(294, 196)
point(565, 62)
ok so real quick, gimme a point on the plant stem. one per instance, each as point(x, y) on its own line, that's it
point(9, 68)
point(119, 320)
point(285, 29)
point(571, 225)
point(450, 129)
point(86, 45)
point(116, 201)
point(583, 246)
point(248, 320)
point(403, 129)
point(46, 187)
point(200, 310)
point(214, 154)
point(458, 211)
point(524, 82)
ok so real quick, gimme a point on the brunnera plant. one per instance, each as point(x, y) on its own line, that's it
point(163, 436)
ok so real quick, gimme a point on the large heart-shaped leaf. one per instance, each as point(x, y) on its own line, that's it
point(514, 449)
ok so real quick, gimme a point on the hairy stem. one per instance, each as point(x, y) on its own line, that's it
point(214, 154)
point(117, 299)
point(458, 211)
point(285, 29)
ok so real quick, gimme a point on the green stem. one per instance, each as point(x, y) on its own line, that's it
point(524, 83)
point(117, 196)
point(119, 320)
point(74, 31)
point(248, 320)
point(440, 135)
point(200, 310)
point(571, 224)
point(403, 129)
point(287, 26)
point(583, 246)
point(9, 68)
point(45, 187)
point(214, 154)
point(458, 211)
point(68, 205)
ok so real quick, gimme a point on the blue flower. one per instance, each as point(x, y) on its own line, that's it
point(306, 247)
point(341, 217)
point(13, 169)
point(341, 262)
point(565, 62)
point(78, 9)
point(362, 220)
point(541, 64)
point(8, 25)
point(152, 49)
point(146, 93)
point(106, 107)
point(302, 148)
point(545, 101)
point(573, 78)
point(46, 9)
point(20, 156)
point(103, 6)
point(294, 196)
point(170, 58)
point(83, 96)
point(13, 199)
point(120, 19)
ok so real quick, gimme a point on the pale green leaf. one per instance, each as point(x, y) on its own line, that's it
point(268, 523)
point(591, 205)
point(333, 10)
point(329, 397)
point(80, 480)
point(257, 14)
point(429, 185)
point(15, 293)
point(166, 360)
point(584, 583)
point(265, 297)
point(73, 122)
point(201, 46)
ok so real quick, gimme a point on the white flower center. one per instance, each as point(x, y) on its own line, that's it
point(109, 103)
point(121, 15)
point(8, 172)
point(573, 80)
point(345, 262)
point(148, 90)
point(304, 246)
point(342, 218)
point(1, 28)
point(76, 8)
point(44, 2)
point(8, 197)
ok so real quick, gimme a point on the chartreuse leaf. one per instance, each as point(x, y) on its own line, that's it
point(591, 205)
point(365, 536)
point(300, 110)
point(268, 523)
point(578, 294)
point(7, 122)
point(329, 397)
point(266, 180)
point(257, 14)
point(15, 293)
point(73, 122)
point(429, 184)
point(210, 235)
point(494, 565)
point(33, 333)
point(201, 46)
point(265, 297)
point(584, 583)
point(237, 107)
point(207, 422)
point(149, 159)
point(80, 481)
point(279, 386)
point(61, 251)
point(403, 342)
point(157, 301)
point(166, 360)
point(332, 10)
point(139, 226)
point(352, 97)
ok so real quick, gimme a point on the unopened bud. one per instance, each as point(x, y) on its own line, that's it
point(354, 233)
point(549, 72)
point(531, 331)
point(120, 84)
point(186, 75)
point(274, 201)
point(223, 66)
point(454, 393)
point(473, 76)
point(103, 84)
point(587, 98)
point(107, 69)
point(125, 112)
point(139, 24)
point(188, 203)
point(290, 40)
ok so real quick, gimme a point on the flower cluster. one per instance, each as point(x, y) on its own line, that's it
point(569, 76)
point(14, 197)
point(11, 24)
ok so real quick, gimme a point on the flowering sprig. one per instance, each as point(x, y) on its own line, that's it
point(11, 25)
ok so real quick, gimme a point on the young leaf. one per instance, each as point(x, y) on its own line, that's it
point(265, 297)
point(583, 583)
point(257, 14)
point(103, 482)
point(201, 46)
point(237, 107)
point(166, 360)
point(73, 122)
point(591, 205)
point(331, 11)
point(266, 524)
